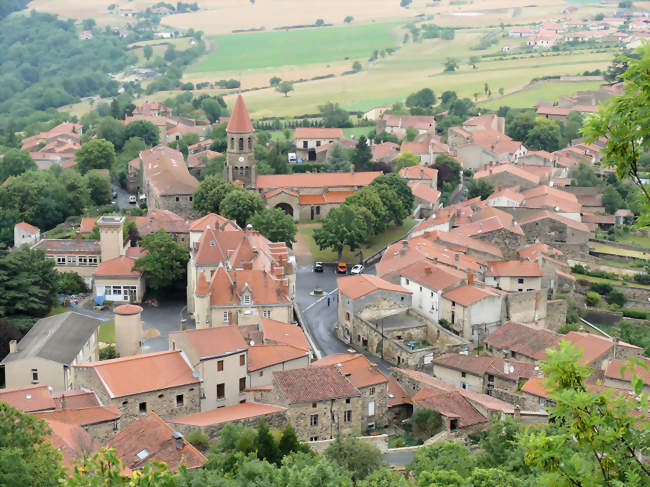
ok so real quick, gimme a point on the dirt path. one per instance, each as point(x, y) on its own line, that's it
point(301, 249)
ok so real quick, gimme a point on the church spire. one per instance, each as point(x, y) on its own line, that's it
point(240, 121)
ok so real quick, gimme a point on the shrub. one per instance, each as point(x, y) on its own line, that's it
point(642, 278)
point(602, 288)
point(616, 297)
point(198, 440)
point(445, 324)
point(425, 423)
point(635, 313)
point(592, 298)
point(579, 269)
point(71, 283)
point(108, 353)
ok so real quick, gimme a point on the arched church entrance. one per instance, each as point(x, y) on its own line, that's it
point(286, 207)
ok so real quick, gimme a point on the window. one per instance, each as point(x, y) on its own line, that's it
point(347, 416)
point(221, 391)
point(420, 288)
point(179, 400)
point(313, 438)
point(318, 143)
point(520, 280)
point(83, 260)
point(347, 401)
point(304, 144)
point(318, 210)
point(225, 317)
point(372, 391)
point(242, 360)
point(242, 384)
point(247, 299)
point(125, 403)
point(520, 289)
point(177, 198)
point(160, 396)
point(250, 143)
point(72, 260)
point(408, 282)
point(266, 313)
point(313, 404)
point(142, 407)
point(220, 366)
point(261, 374)
point(34, 375)
point(313, 420)
point(347, 316)
point(232, 142)
point(241, 143)
point(60, 260)
point(542, 401)
point(463, 374)
point(371, 408)
point(190, 200)
point(92, 260)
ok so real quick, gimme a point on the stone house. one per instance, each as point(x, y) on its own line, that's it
point(484, 122)
point(321, 402)
point(100, 422)
point(163, 382)
point(24, 233)
point(472, 247)
point(420, 174)
point(265, 359)
point(506, 233)
point(398, 124)
point(555, 230)
point(508, 175)
point(524, 343)
point(371, 383)
point(221, 358)
point(50, 348)
point(156, 219)
point(613, 377)
point(514, 275)
point(473, 312)
point(308, 139)
point(456, 411)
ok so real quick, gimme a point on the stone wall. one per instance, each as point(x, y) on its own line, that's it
point(380, 441)
point(103, 431)
point(379, 394)
point(602, 317)
point(276, 420)
point(556, 313)
point(331, 418)
point(507, 241)
point(527, 307)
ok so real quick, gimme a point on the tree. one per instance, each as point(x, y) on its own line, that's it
point(95, 154)
point(411, 133)
point(362, 156)
point(572, 127)
point(612, 200)
point(449, 170)
point(88, 24)
point(443, 455)
point(356, 456)
point(99, 186)
point(8, 332)
point(473, 61)
point(210, 193)
point(592, 298)
point(275, 225)
point(319, 22)
point(425, 98)
point(265, 445)
point(545, 135)
point(395, 209)
point(15, 162)
point(289, 442)
point(164, 263)
point(285, 87)
point(342, 226)
point(28, 282)
point(500, 447)
point(143, 129)
point(399, 185)
point(334, 116)
point(520, 126)
point(113, 131)
point(27, 458)
point(115, 109)
point(70, 283)
point(369, 198)
point(348, 19)
point(211, 108)
point(624, 122)
point(406, 159)
point(479, 187)
point(440, 478)
point(356, 66)
point(147, 52)
point(275, 81)
point(583, 175)
point(241, 205)
point(598, 437)
point(425, 423)
point(385, 477)
point(451, 64)
point(337, 160)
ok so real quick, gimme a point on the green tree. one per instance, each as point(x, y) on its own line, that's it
point(406, 159)
point(337, 160)
point(473, 61)
point(319, 22)
point(411, 133)
point(115, 109)
point(545, 135)
point(597, 438)
point(492, 477)
point(572, 127)
point(95, 154)
point(275, 81)
point(612, 199)
point(356, 456)
point(165, 261)
point(356, 66)
point(342, 226)
point(289, 442)
point(28, 282)
point(275, 225)
point(399, 185)
point(70, 283)
point(284, 87)
point(147, 52)
point(479, 187)
point(443, 455)
point(348, 19)
point(265, 445)
point(583, 175)
point(592, 298)
point(241, 205)
point(308, 470)
point(27, 459)
point(521, 124)
point(334, 116)
point(15, 162)
point(624, 121)
point(369, 198)
point(211, 108)
point(362, 156)
point(451, 64)
point(99, 186)
point(385, 477)
point(449, 170)
point(143, 129)
point(500, 448)
point(425, 423)
point(396, 212)
point(425, 98)
point(440, 478)
point(113, 131)
point(210, 194)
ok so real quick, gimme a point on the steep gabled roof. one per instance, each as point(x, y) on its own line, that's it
point(355, 367)
point(313, 384)
point(526, 340)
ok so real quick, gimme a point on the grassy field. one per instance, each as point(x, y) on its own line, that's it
point(297, 47)
point(610, 281)
point(58, 309)
point(107, 332)
point(612, 250)
point(551, 90)
point(631, 239)
point(377, 243)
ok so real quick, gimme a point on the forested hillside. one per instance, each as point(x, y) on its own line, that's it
point(44, 65)
point(8, 6)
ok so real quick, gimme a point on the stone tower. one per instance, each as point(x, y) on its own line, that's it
point(240, 157)
point(111, 236)
point(128, 330)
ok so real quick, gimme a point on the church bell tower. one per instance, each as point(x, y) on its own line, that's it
point(240, 158)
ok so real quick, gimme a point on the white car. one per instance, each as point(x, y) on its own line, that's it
point(357, 269)
point(132, 199)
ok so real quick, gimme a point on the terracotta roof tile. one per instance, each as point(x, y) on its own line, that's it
point(328, 198)
point(316, 180)
point(355, 367)
point(87, 224)
point(199, 159)
point(433, 276)
point(128, 309)
point(240, 121)
point(71, 440)
point(76, 400)
point(152, 435)
point(228, 414)
point(384, 150)
point(284, 333)
point(318, 133)
point(263, 356)
point(451, 405)
point(544, 214)
point(396, 395)
point(525, 340)
point(166, 171)
point(425, 192)
point(513, 268)
point(314, 384)
point(535, 386)
point(216, 222)
point(82, 416)
point(468, 295)
point(613, 371)
point(27, 227)
point(136, 252)
point(143, 373)
point(29, 399)
point(509, 193)
point(215, 342)
point(593, 346)
point(355, 287)
point(488, 402)
point(531, 252)
point(226, 287)
point(466, 242)
point(420, 122)
point(119, 266)
point(158, 219)
point(485, 365)
point(488, 225)
point(507, 168)
point(426, 380)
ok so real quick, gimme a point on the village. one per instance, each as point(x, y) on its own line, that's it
point(454, 316)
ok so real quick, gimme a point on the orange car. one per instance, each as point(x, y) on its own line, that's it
point(342, 268)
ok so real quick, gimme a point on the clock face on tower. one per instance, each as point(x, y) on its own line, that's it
point(241, 159)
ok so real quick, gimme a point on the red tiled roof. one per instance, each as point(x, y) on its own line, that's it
point(613, 371)
point(152, 434)
point(26, 226)
point(228, 414)
point(507, 168)
point(166, 171)
point(360, 285)
point(316, 180)
point(426, 380)
point(544, 214)
point(488, 402)
point(263, 356)
point(355, 367)
point(318, 133)
point(535, 386)
point(87, 224)
point(29, 399)
point(451, 405)
point(83, 416)
point(215, 342)
point(136, 252)
point(330, 197)
point(384, 150)
point(593, 346)
point(143, 373)
point(551, 198)
point(119, 266)
point(76, 400)
point(433, 276)
point(71, 440)
point(599, 219)
point(529, 341)
point(313, 384)
point(565, 275)
point(488, 225)
point(284, 333)
point(509, 193)
point(425, 192)
point(216, 222)
point(157, 219)
point(468, 295)
point(465, 242)
point(485, 365)
point(227, 287)
point(396, 395)
point(200, 158)
point(531, 252)
point(240, 121)
point(420, 122)
point(514, 268)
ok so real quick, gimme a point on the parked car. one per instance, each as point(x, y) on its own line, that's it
point(342, 268)
point(114, 195)
point(318, 267)
point(132, 199)
point(357, 269)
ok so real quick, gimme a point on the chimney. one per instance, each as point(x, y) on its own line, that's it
point(427, 270)
point(506, 366)
point(470, 278)
point(13, 346)
point(405, 246)
point(78, 237)
point(179, 440)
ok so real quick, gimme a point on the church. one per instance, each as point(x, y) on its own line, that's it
point(304, 196)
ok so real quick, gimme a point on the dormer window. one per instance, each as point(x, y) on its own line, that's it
point(247, 299)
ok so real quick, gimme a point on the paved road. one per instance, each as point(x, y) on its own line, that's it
point(399, 459)
point(122, 197)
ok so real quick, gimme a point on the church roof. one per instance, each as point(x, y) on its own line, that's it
point(240, 122)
